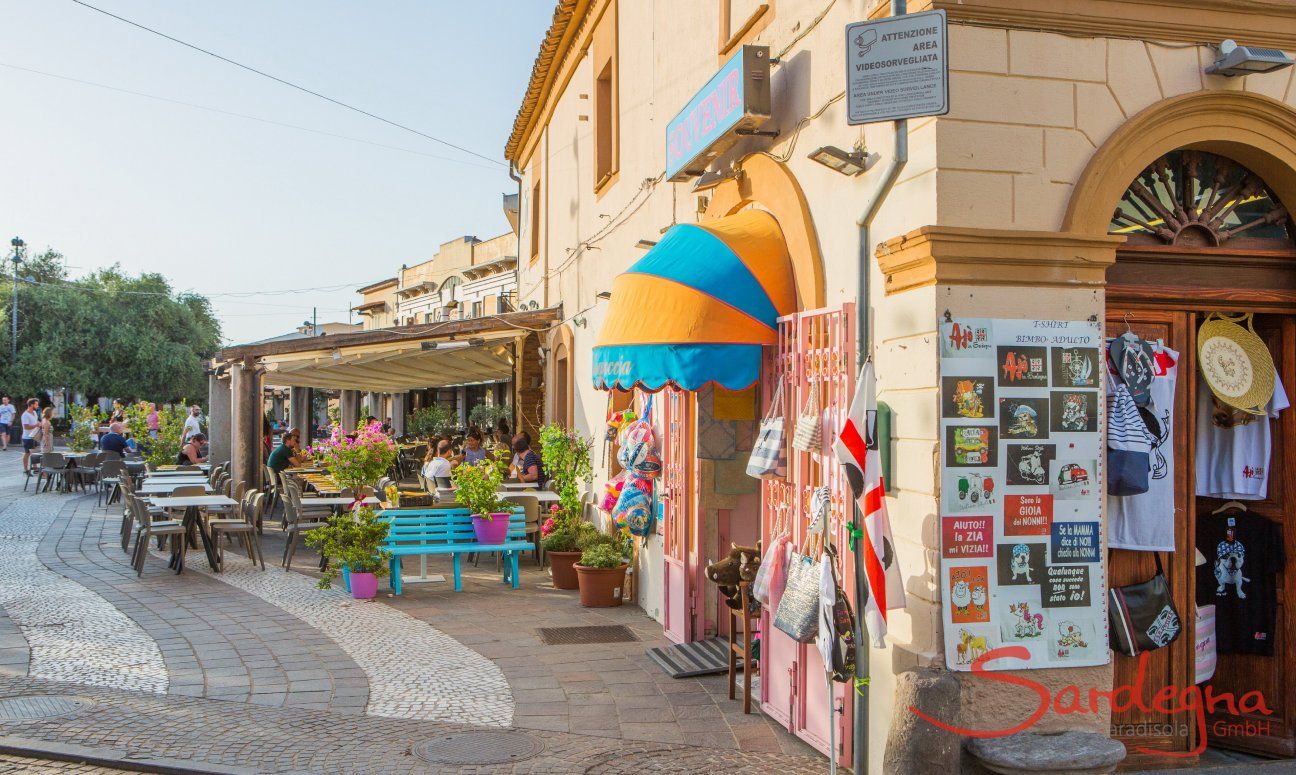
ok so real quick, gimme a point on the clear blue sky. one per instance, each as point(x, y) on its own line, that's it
point(226, 204)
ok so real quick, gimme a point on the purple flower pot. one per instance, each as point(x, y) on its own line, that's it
point(364, 586)
point(492, 531)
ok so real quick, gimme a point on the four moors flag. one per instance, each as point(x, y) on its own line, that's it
point(856, 447)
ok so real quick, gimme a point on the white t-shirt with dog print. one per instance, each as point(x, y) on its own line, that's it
point(1233, 462)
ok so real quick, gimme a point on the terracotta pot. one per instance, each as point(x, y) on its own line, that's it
point(561, 564)
point(600, 587)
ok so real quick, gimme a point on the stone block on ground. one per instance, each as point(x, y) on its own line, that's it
point(915, 747)
point(1061, 753)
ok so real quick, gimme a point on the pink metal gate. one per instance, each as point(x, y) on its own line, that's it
point(680, 571)
point(814, 348)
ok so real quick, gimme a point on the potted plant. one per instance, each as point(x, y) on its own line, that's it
point(601, 573)
point(354, 540)
point(431, 421)
point(85, 420)
point(477, 487)
point(562, 544)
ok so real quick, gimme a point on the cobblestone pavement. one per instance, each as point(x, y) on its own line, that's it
point(11, 765)
point(272, 644)
point(282, 740)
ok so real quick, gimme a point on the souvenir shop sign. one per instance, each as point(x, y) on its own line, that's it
point(1021, 535)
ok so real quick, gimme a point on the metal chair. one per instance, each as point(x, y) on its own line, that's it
point(243, 525)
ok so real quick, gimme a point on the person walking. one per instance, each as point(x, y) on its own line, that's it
point(30, 425)
point(7, 412)
point(193, 423)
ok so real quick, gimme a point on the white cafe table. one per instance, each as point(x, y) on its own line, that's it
point(151, 487)
point(177, 473)
point(307, 501)
point(192, 504)
point(543, 496)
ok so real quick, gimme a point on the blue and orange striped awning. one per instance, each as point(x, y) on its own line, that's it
point(697, 308)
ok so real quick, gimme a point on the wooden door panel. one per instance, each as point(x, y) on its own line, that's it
point(1173, 665)
point(1275, 733)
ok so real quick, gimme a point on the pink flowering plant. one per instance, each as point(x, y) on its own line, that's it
point(356, 462)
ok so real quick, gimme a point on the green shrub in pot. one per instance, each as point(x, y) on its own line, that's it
point(602, 555)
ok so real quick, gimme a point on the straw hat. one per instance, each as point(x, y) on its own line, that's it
point(1235, 362)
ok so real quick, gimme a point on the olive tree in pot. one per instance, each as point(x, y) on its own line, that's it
point(477, 487)
point(354, 540)
point(602, 572)
point(563, 542)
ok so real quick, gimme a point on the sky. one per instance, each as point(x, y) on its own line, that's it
point(225, 204)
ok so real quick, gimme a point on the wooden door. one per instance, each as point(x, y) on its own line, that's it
point(1173, 665)
point(1273, 733)
point(679, 578)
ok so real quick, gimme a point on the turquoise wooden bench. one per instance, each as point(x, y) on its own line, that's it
point(417, 532)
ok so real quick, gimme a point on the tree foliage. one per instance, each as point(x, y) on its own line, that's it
point(105, 334)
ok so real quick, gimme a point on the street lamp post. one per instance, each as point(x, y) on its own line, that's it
point(18, 246)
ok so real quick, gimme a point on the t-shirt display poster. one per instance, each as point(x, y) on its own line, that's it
point(1020, 512)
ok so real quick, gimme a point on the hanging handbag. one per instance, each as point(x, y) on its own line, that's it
point(809, 430)
point(1205, 648)
point(769, 455)
point(771, 566)
point(1129, 448)
point(1142, 617)
point(798, 609)
point(843, 627)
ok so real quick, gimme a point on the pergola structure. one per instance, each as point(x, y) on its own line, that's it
point(393, 361)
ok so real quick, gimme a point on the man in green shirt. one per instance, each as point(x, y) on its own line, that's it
point(283, 455)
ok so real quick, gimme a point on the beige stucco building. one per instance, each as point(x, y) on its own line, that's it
point(1003, 208)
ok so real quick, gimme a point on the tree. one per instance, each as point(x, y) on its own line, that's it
point(106, 334)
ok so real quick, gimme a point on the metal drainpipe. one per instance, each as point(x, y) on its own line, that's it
point(864, 345)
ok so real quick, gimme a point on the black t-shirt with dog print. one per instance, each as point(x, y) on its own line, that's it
point(1243, 556)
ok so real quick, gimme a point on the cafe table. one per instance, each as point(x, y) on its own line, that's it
point(370, 501)
point(192, 505)
point(543, 496)
point(168, 486)
point(202, 466)
point(171, 473)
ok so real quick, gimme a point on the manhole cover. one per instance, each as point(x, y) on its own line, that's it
point(565, 636)
point(40, 706)
point(478, 748)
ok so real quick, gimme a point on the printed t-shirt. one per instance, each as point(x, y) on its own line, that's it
point(1244, 552)
point(1145, 522)
point(1233, 463)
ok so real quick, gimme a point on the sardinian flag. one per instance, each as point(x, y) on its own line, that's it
point(856, 447)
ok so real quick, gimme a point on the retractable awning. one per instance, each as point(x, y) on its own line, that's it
point(394, 360)
point(697, 308)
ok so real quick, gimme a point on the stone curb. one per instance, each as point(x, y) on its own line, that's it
point(112, 758)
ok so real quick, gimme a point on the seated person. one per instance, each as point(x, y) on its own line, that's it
point(473, 451)
point(529, 469)
point(437, 465)
point(191, 453)
point(114, 440)
point(285, 455)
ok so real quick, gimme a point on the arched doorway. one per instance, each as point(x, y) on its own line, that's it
point(1205, 233)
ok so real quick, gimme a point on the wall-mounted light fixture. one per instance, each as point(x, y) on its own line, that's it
point(604, 295)
point(644, 244)
point(850, 163)
point(579, 321)
point(1245, 60)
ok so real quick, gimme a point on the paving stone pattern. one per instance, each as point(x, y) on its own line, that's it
point(283, 740)
point(216, 640)
point(73, 633)
point(413, 669)
point(11, 765)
